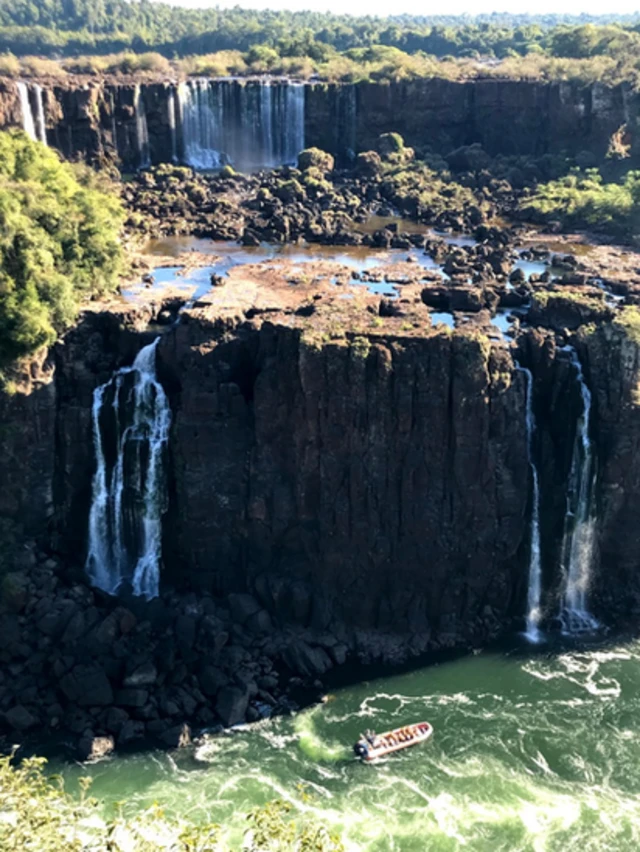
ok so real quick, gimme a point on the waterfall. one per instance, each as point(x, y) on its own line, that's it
point(41, 127)
point(250, 125)
point(172, 111)
point(142, 131)
point(580, 520)
point(28, 124)
point(131, 420)
point(535, 567)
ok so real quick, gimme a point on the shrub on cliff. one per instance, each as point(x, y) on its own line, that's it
point(314, 158)
point(389, 143)
point(583, 199)
point(59, 243)
point(369, 164)
point(37, 814)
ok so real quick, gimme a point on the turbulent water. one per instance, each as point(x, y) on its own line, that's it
point(531, 752)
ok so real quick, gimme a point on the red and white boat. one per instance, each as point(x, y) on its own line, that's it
point(371, 746)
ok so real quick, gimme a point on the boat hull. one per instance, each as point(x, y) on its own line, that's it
point(397, 740)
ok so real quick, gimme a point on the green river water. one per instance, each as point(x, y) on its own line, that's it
point(532, 751)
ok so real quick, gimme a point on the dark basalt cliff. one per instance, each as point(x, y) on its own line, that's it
point(380, 483)
point(97, 119)
point(377, 480)
point(341, 480)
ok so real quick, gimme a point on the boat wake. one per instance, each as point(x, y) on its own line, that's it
point(312, 744)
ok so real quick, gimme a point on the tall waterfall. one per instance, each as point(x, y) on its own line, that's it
point(249, 125)
point(535, 566)
point(172, 109)
point(580, 520)
point(131, 419)
point(142, 131)
point(33, 125)
point(41, 128)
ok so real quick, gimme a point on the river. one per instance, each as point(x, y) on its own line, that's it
point(535, 750)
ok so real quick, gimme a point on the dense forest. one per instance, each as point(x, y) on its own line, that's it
point(72, 27)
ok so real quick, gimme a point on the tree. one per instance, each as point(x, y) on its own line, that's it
point(59, 243)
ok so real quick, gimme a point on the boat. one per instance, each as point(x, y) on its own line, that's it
point(371, 746)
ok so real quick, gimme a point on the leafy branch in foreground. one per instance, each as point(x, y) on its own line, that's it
point(37, 814)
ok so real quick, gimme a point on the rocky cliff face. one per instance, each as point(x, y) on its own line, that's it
point(379, 482)
point(376, 479)
point(136, 124)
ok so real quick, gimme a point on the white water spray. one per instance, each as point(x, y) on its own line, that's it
point(535, 566)
point(580, 521)
point(28, 124)
point(249, 125)
point(131, 420)
point(142, 131)
point(41, 128)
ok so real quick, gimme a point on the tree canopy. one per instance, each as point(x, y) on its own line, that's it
point(59, 243)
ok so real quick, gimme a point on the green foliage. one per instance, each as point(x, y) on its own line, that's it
point(583, 199)
point(290, 190)
point(389, 143)
point(369, 164)
point(36, 813)
point(228, 172)
point(316, 159)
point(628, 320)
point(123, 36)
point(59, 243)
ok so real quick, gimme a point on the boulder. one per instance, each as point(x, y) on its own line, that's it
point(95, 748)
point(259, 622)
point(87, 686)
point(177, 737)
point(131, 697)
point(305, 660)
point(20, 719)
point(131, 731)
point(185, 631)
point(243, 607)
point(144, 675)
point(14, 591)
point(115, 719)
point(231, 705)
point(211, 680)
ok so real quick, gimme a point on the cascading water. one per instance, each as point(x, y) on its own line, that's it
point(535, 568)
point(249, 125)
point(142, 131)
point(173, 114)
point(28, 124)
point(33, 125)
point(131, 420)
point(580, 520)
point(41, 128)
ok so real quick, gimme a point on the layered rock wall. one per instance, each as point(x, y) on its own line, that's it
point(96, 119)
point(380, 483)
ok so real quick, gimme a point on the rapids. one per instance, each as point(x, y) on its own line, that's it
point(535, 751)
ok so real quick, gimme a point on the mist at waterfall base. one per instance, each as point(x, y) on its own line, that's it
point(531, 752)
